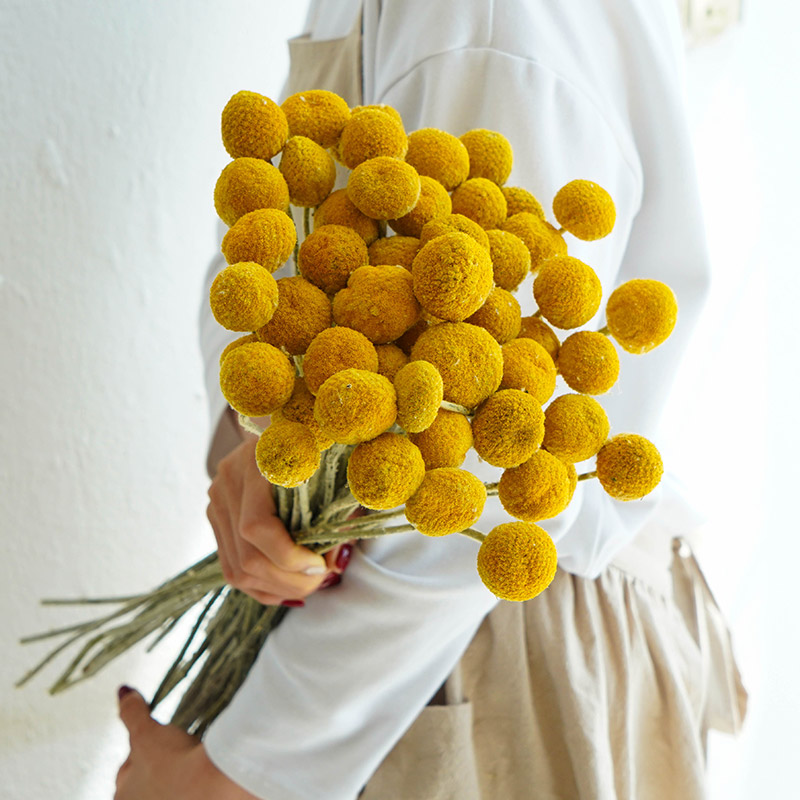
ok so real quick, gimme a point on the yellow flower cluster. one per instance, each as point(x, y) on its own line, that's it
point(399, 333)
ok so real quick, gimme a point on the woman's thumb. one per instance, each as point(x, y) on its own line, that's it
point(134, 711)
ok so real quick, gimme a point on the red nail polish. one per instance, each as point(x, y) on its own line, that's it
point(343, 556)
point(293, 603)
point(123, 691)
point(332, 580)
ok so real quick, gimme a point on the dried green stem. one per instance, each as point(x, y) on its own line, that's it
point(587, 476)
point(455, 407)
point(473, 534)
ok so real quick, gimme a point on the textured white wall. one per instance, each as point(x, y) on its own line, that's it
point(108, 157)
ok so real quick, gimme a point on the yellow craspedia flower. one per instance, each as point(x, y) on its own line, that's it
point(338, 209)
point(508, 428)
point(256, 379)
point(433, 202)
point(538, 330)
point(385, 471)
point(519, 200)
point(511, 259)
point(355, 405)
point(391, 111)
point(407, 341)
point(500, 315)
point(453, 223)
point(336, 349)
point(629, 466)
point(447, 501)
point(253, 126)
point(309, 171)
point(371, 133)
point(528, 366)
point(641, 314)
point(250, 337)
point(438, 155)
point(490, 155)
point(318, 114)
point(300, 408)
point(384, 188)
point(397, 250)
point(481, 201)
point(390, 359)
point(379, 302)
point(287, 454)
point(266, 236)
point(467, 357)
point(420, 391)
point(567, 291)
point(247, 184)
point(541, 238)
point(452, 276)
point(517, 561)
point(446, 442)
point(585, 209)
point(588, 362)
point(537, 489)
point(575, 427)
point(243, 297)
point(303, 312)
point(328, 256)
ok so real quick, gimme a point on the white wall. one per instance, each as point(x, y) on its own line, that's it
point(109, 150)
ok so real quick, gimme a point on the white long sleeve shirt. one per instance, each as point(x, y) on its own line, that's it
point(581, 90)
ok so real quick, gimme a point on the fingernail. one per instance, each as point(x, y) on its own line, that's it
point(332, 580)
point(293, 603)
point(343, 556)
point(315, 570)
point(123, 691)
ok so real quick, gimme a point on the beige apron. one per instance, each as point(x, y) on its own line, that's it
point(598, 689)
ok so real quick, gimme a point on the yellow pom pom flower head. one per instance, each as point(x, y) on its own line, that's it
point(371, 133)
point(538, 330)
point(287, 454)
point(528, 366)
point(433, 202)
point(318, 114)
point(511, 259)
point(641, 314)
point(309, 171)
point(588, 362)
point(250, 337)
point(303, 312)
point(500, 315)
point(517, 561)
point(328, 256)
point(384, 188)
point(629, 466)
point(453, 223)
point(266, 236)
point(447, 501)
point(438, 155)
point(338, 209)
point(575, 427)
point(446, 442)
point(481, 201)
point(243, 297)
point(490, 155)
point(537, 489)
point(385, 471)
point(467, 357)
point(508, 428)
point(397, 250)
point(379, 302)
point(392, 112)
point(452, 276)
point(253, 126)
point(585, 209)
point(519, 200)
point(390, 359)
point(336, 349)
point(300, 408)
point(247, 184)
point(541, 238)
point(567, 291)
point(409, 338)
point(354, 406)
point(420, 391)
point(256, 379)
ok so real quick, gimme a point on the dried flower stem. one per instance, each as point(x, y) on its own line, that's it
point(587, 476)
point(455, 407)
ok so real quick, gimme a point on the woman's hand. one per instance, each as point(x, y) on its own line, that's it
point(256, 553)
point(166, 763)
